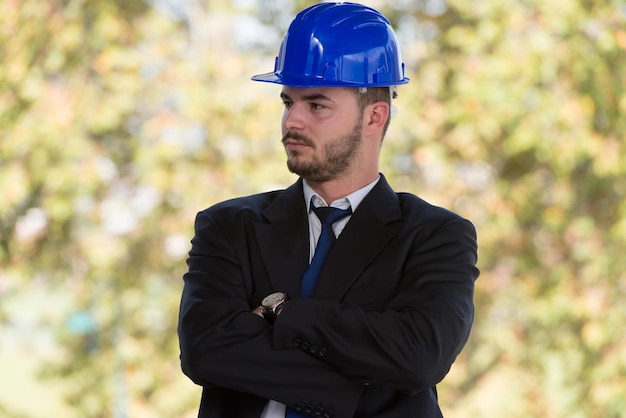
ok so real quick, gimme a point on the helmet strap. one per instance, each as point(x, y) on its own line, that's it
point(393, 111)
point(393, 93)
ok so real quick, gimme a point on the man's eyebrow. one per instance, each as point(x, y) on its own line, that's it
point(309, 97)
point(316, 97)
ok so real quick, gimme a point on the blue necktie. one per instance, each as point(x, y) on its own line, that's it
point(328, 216)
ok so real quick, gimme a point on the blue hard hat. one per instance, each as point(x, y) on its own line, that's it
point(338, 45)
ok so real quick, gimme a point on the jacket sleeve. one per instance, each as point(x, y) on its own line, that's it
point(412, 341)
point(223, 344)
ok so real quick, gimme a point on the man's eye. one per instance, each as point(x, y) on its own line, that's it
point(317, 106)
point(287, 104)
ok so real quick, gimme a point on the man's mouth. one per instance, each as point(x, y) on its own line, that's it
point(293, 139)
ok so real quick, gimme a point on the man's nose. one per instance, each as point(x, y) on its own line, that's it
point(293, 118)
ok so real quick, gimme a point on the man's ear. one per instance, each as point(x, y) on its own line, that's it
point(376, 116)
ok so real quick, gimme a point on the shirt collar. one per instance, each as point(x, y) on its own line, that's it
point(353, 200)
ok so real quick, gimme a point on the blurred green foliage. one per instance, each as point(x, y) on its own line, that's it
point(119, 120)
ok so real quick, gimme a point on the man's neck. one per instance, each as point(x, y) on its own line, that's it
point(341, 187)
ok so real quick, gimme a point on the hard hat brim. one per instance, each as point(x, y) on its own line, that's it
point(307, 82)
point(266, 77)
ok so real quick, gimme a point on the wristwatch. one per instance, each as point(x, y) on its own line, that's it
point(271, 304)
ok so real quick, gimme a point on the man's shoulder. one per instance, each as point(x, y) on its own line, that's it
point(254, 204)
point(407, 207)
point(415, 207)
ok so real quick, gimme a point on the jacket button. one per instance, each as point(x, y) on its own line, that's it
point(318, 411)
point(308, 408)
point(323, 352)
point(305, 346)
point(299, 406)
point(328, 413)
point(297, 342)
point(313, 349)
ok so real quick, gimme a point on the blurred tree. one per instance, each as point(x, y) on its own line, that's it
point(121, 119)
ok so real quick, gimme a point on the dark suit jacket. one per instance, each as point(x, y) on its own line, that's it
point(391, 311)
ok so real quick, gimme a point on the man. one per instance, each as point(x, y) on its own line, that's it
point(379, 316)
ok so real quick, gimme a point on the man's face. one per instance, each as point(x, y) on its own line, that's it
point(321, 130)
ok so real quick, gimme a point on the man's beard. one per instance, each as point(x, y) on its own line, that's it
point(335, 160)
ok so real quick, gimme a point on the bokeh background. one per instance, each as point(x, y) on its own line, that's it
point(120, 119)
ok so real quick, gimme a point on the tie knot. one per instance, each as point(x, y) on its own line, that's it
point(330, 215)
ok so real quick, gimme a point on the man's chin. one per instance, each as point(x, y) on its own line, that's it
point(310, 175)
point(300, 170)
point(296, 165)
point(295, 169)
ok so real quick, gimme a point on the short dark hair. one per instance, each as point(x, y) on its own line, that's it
point(373, 95)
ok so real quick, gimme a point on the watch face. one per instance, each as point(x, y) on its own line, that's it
point(273, 299)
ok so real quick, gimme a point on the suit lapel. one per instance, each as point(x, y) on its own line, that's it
point(284, 239)
point(366, 234)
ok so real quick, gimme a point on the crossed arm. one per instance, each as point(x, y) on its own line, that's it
point(407, 337)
